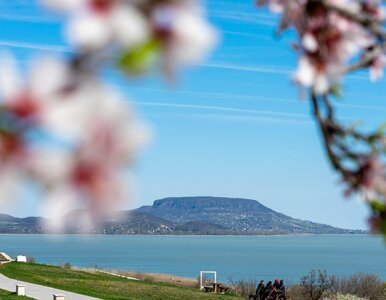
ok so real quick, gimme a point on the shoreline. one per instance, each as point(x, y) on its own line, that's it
point(195, 235)
point(147, 276)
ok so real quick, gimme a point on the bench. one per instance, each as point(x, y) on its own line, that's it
point(216, 288)
point(222, 289)
point(208, 288)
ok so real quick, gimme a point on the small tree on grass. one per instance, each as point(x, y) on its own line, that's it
point(315, 284)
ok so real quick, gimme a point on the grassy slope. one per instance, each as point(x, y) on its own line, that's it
point(102, 285)
point(5, 295)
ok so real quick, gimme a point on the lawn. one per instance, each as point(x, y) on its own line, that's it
point(101, 285)
point(5, 295)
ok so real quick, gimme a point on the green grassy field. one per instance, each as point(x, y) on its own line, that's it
point(5, 295)
point(101, 285)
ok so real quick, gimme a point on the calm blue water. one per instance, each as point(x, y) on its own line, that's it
point(264, 257)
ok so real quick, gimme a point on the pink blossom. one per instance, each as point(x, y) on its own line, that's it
point(96, 147)
point(328, 40)
point(187, 37)
point(373, 184)
point(180, 27)
point(376, 67)
point(105, 136)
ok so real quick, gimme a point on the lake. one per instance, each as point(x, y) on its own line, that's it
point(259, 257)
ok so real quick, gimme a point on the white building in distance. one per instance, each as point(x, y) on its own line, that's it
point(21, 258)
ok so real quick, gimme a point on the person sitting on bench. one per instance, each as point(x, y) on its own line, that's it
point(281, 289)
point(268, 290)
point(260, 290)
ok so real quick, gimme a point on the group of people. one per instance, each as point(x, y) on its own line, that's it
point(269, 291)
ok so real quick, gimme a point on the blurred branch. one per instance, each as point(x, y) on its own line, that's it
point(362, 18)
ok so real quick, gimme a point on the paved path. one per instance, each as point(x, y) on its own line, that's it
point(38, 291)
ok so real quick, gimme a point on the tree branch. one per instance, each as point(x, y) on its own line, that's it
point(365, 20)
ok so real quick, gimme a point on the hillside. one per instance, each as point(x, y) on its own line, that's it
point(9, 224)
point(188, 215)
point(241, 216)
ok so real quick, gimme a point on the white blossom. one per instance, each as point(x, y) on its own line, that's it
point(376, 68)
point(188, 37)
point(194, 37)
point(89, 32)
point(121, 22)
point(321, 84)
point(92, 135)
point(130, 28)
point(309, 42)
point(306, 73)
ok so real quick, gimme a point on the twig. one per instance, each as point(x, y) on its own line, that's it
point(366, 20)
point(367, 59)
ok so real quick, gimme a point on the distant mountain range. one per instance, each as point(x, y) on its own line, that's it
point(9, 224)
point(188, 215)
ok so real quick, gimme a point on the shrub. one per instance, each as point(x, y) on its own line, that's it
point(295, 292)
point(197, 285)
point(340, 296)
point(67, 265)
point(362, 285)
point(318, 285)
point(31, 259)
point(315, 285)
point(244, 287)
point(149, 278)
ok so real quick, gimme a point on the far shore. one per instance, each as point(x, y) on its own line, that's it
point(197, 235)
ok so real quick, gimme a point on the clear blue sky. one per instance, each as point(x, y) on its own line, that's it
point(233, 126)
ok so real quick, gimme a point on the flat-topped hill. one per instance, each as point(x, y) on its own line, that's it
point(188, 215)
point(232, 215)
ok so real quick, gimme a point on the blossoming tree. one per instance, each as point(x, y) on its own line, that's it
point(337, 37)
point(65, 130)
point(93, 137)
